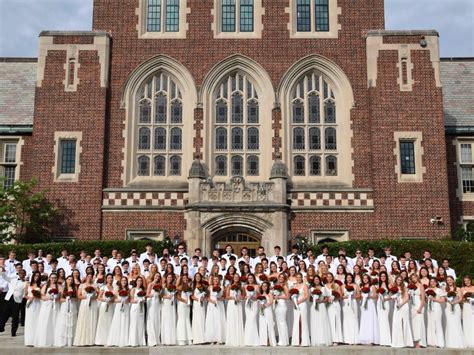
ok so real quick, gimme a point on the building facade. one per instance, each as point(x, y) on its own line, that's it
point(242, 121)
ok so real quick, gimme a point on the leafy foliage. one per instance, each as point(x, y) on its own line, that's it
point(465, 233)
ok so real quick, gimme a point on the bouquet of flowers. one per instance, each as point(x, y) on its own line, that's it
point(382, 292)
point(451, 295)
point(171, 289)
point(263, 278)
point(157, 292)
point(365, 295)
point(203, 291)
point(469, 297)
point(215, 293)
point(273, 280)
point(430, 294)
point(374, 281)
point(227, 279)
point(235, 290)
point(363, 271)
point(374, 274)
point(411, 291)
point(90, 291)
point(294, 294)
point(277, 291)
point(262, 300)
point(100, 281)
point(123, 294)
point(250, 293)
point(394, 293)
point(35, 294)
point(53, 295)
point(336, 296)
point(349, 292)
point(141, 299)
point(441, 280)
point(69, 295)
point(243, 279)
point(316, 293)
point(339, 282)
point(109, 296)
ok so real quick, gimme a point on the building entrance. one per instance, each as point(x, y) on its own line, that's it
point(238, 239)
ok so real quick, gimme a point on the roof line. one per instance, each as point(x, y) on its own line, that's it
point(457, 59)
point(18, 60)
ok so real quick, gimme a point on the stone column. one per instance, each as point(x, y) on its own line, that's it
point(193, 235)
point(279, 231)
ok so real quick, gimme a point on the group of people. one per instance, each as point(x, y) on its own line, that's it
point(297, 300)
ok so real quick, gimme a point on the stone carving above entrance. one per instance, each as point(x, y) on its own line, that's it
point(236, 190)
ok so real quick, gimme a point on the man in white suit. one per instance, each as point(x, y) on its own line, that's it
point(13, 298)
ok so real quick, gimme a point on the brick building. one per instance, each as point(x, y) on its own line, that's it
point(243, 121)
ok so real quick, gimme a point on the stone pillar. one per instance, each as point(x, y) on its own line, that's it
point(193, 234)
point(279, 231)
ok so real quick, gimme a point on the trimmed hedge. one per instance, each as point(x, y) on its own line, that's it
point(460, 254)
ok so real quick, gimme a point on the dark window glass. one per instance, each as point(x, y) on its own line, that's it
point(331, 166)
point(299, 166)
point(143, 166)
point(298, 112)
point(10, 153)
point(144, 138)
point(298, 138)
point(303, 15)
point(237, 108)
point(160, 166)
point(467, 179)
point(330, 112)
point(221, 165)
point(176, 112)
point(314, 138)
point(221, 112)
point(252, 165)
point(322, 16)
point(315, 166)
point(161, 103)
point(237, 139)
point(246, 15)
point(145, 112)
point(68, 156)
point(331, 143)
point(253, 138)
point(221, 138)
point(175, 166)
point(228, 15)
point(253, 114)
point(407, 157)
point(313, 103)
point(237, 166)
point(154, 16)
point(176, 139)
point(8, 176)
point(160, 139)
point(172, 15)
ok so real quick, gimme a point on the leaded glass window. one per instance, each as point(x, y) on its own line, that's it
point(176, 112)
point(322, 15)
point(237, 105)
point(314, 138)
point(407, 157)
point(246, 15)
point(143, 166)
point(253, 138)
point(221, 138)
point(154, 16)
point(175, 166)
point(163, 15)
point(221, 165)
point(160, 166)
point(172, 15)
point(160, 138)
point(228, 15)
point(331, 143)
point(145, 112)
point(68, 156)
point(144, 138)
point(252, 165)
point(303, 15)
point(176, 139)
point(161, 108)
point(298, 138)
point(331, 166)
point(237, 139)
point(237, 166)
point(299, 166)
point(315, 166)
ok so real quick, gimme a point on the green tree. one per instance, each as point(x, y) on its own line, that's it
point(465, 233)
point(26, 216)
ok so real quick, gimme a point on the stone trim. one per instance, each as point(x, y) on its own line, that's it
point(334, 24)
point(149, 200)
point(337, 235)
point(417, 138)
point(58, 177)
point(331, 200)
point(101, 45)
point(141, 13)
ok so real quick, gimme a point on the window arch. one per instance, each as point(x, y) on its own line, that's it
point(175, 165)
point(160, 138)
point(331, 165)
point(299, 165)
point(253, 138)
point(144, 138)
point(221, 165)
point(143, 166)
point(315, 166)
point(160, 166)
point(237, 165)
point(221, 138)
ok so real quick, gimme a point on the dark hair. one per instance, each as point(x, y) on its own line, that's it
point(37, 282)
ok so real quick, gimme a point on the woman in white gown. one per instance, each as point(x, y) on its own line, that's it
point(234, 334)
point(251, 337)
point(168, 311)
point(199, 309)
point(454, 334)
point(106, 310)
point(32, 308)
point(334, 293)
point(49, 310)
point(281, 296)
point(435, 299)
point(184, 330)
point(350, 326)
point(319, 320)
point(266, 321)
point(215, 316)
point(467, 293)
point(119, 330)
point(88, 313)
point(300, 333)
point(153, 319)
point(383, 309)
point(67, 316)
point(402, 336)
point(136, 336)
point(369, 332)
point(417, 312)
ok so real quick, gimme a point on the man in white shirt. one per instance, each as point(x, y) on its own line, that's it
point(11, 262)
point(193, 268)
point(182, 253)
point(294, 257)
point(358, 255)
point(223, 267)
point(27, 262)
point(148, 253)
point(277, 251)
point(63, 260)
point(324, 253)
point(260, 255)
point(14, 299)
point(97, 255)
point(134, 260)
point(427, 255)
point(388, 255)
point(228, 254)
point(244, 252)
point(449, 271)
point(40, 258)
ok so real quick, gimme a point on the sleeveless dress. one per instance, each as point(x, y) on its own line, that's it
point(234, 331)
point(435, 333)
point(281, 310)
point(119, 330)
point(199, 318)
point(86, 320)
point(136, 335)
point(251, 337)
point(454, 334)
point(184, 332)
point(290, 309)
point(266, 326)
point(66, 323)
point(44, 336)
point(168, 320)
point(335, 322)
point(300, 333)
point(402, 336)
point(215, 320)
point(106, 314)
point(350, 325)
point(383, 316)
point(320, 329)
point(31, 318)
point(468, 323)
point(418, 320)
point(369, 332)
point(153, 319)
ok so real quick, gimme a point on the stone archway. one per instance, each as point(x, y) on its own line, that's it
point(238, 238)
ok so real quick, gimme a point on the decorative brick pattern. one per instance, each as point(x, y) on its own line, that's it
point(144, 199)
point(322, 200)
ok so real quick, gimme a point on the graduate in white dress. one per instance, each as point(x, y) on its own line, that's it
point(88, 313)
point(215, 316)
point(266, 321)
point(234, 335)
point(184, 331)
point(319, 320)
point(300, 333)
point(417, 311)
point(350, 325)
point(402, 336)
point(67, 316)
point(32, 308)
point(281, 296)
point(383, 309)
point(435, 298)
point(334, 293)
point(120, 327)
point(153, 318)
point(106, 310)
point(168, 311)
point(49, 310)
point(136, 336)
point(467, 293)
point(199, 308)
point(369, 332)
point(452, 312)
point(251, 337)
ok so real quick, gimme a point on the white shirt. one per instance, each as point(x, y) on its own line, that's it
point(10, 265)
point(290, 259)
point(227, 257)
point(434, 262)
point(63, 262)
point(145, 255)
point(26, 265)
point(274, 259)
point(16, 288)
point(451, 272)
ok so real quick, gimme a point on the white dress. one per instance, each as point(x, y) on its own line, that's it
point(119, 330)
point(234, 330)
point(418, 320)
point(153, 319)
point(215, 320)
point(31, 319)
point(184, 332)
point(106, 314)
point(402, 336)
point(435, 333)
point(87, 319)
point(300, 333)
point(454, 334)
point(251, 337)
point(369, 332)
point(350, 324)
point(136, 335)
point(383, 316)
point(44, 336)
point(66, 323)
point(266, 326)
point(320, 331)
point(199, 318)
point(468, 323)
point(335, 322)
point(281, 310)
point(168, 319)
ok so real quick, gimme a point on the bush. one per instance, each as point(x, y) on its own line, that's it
point(460, 254)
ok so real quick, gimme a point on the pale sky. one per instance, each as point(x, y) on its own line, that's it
point(22, 20)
